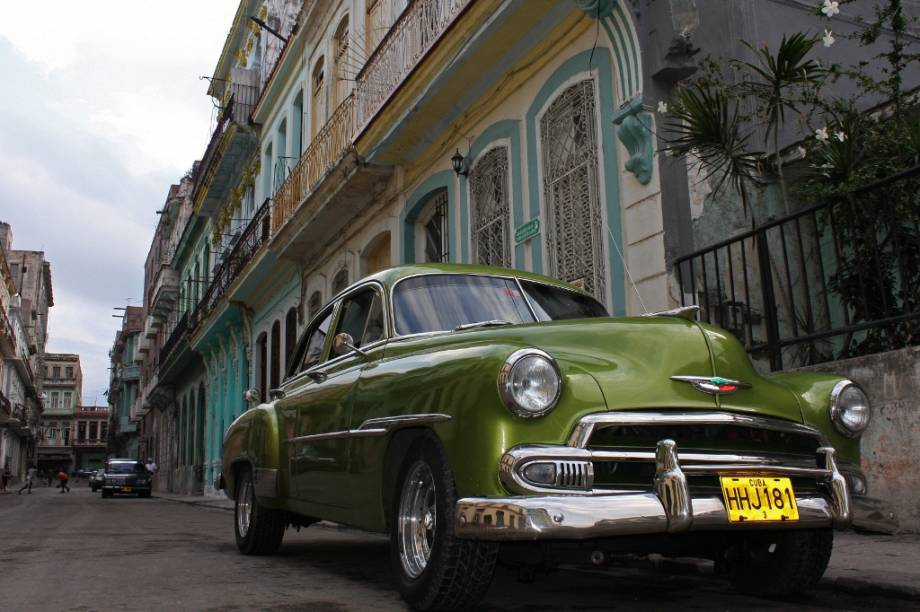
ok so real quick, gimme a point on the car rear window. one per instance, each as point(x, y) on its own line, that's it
point(556, 303)
point(126, 468)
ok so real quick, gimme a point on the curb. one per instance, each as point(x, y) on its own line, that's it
point(215, 503)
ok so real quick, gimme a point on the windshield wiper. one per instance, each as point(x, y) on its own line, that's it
point(490, 323)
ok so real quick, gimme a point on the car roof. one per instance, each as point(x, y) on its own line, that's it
point(391, 276)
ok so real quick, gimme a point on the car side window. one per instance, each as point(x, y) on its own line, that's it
point(362, 317)
point(316, 340)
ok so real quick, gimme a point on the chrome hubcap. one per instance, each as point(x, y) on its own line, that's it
point(417, 519)
point(244, 508)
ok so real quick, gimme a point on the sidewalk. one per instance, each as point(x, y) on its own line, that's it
point(862, 563)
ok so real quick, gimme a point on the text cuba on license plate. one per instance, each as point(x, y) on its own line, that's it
point(759, 498)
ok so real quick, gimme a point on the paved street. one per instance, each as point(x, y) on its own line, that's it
point(78, 552)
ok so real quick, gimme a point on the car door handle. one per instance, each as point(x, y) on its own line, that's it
point(317, 375)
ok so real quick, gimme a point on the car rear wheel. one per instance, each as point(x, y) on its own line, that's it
point(771, 563)
point(434, 569)
point(259, 530)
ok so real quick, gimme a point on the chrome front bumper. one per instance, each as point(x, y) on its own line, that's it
point(670, 508)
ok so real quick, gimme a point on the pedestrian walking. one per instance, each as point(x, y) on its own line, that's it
point(4, 479)
point(63, 478)
point(31, 474)
point(151, 465)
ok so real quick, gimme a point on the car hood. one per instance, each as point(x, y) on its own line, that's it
point(633, 360)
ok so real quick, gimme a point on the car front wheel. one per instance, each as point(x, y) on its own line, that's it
point(434, 569)
point(776, 563)
point(259, 530)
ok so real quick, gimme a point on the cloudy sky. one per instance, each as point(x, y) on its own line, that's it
point(101, 110)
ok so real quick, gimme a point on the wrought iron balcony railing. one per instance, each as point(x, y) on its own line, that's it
point(327, 148)
point(419, 26)
point(174, 336)
point(254, 236)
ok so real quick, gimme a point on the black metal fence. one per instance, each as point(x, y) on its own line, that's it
point(837, 280)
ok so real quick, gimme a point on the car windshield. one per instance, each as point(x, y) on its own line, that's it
point(126, 468)
point(444, 302)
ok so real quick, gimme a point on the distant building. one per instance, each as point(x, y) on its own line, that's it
point(89, 432)
point(63, 383)
point(124, 385)
point(25, 297)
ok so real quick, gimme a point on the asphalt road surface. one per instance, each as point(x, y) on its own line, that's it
point(78, 552)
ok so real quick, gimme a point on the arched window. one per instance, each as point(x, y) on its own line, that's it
point(290, 336)
point(343, 69)
point(318, 99)
point(282, 166)
point(376, 255)
point(276, 355)
point(315, 303)
point(340, 281)
point(262, 358)
point(434, 229)
point(297, 126)
point(574, 221)
point(490, 209)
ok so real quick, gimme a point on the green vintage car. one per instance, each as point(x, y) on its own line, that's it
point(475, 412)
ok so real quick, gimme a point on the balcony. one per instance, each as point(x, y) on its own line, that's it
point(175, 335)
point(6, 408)
point(327, 148)
point(129, 373)
point(410, 38)
point(89, 443)
point(232, 143)
point(165, 292)
point(7, 336)
point(250, 242)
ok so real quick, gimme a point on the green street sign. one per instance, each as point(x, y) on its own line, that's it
point(527, 231)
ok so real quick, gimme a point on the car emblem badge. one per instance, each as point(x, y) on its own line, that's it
point(713, 385)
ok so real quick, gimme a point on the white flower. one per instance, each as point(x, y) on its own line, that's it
point(801, 152)
point(828, 38)
point(662, 107)
point(830, 8)
point(840, 136)
point(821, 134)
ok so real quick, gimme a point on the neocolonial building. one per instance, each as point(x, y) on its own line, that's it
point(63, 393)
point(354, 135)
point(124, 385)
point(25, 297)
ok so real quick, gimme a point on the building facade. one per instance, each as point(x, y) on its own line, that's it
point(89, 433)
point(23, 299)
point(63, 392)
point(124, 385)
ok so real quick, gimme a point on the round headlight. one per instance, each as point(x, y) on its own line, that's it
point(530, 383)
point(849, 408)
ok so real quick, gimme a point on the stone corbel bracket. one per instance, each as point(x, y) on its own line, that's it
point(635, 132)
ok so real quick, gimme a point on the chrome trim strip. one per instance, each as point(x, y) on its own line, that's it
point(581, 435)
point(374, 427)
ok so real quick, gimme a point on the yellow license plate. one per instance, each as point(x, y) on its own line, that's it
point(759, 498)
point(126, 489)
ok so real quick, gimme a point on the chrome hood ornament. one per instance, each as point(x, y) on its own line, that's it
point(713, 385)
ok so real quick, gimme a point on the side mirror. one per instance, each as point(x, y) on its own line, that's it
point(251, 396)
point(343, 343)
point(276, 394)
